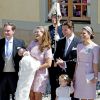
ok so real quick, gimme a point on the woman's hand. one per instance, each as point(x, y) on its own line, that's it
point(26, 53)
point(47, 63)
point(94, 80)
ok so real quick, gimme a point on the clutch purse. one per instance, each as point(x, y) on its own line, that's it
point(89, 77)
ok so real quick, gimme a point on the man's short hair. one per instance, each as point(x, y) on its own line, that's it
point(10, 24)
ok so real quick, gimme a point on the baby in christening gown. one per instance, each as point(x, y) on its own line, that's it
point(28, 67)
point(63, 91)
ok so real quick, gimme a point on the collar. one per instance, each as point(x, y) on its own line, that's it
point(10, 41)
point(71, 37)
point(58, 24)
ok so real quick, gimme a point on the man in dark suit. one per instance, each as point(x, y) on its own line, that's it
point(65, 55)
point(55, 30)
point(9, 62)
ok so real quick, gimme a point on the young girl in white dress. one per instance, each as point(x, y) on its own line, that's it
point(64, 90)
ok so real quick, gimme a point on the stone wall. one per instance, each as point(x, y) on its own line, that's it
point(26, 35)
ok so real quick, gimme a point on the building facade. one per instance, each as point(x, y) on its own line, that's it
point(28, 14)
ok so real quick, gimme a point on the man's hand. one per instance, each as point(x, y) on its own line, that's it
point(61, 63)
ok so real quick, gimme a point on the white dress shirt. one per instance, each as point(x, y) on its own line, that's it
point(68, 42)
point(9, 47)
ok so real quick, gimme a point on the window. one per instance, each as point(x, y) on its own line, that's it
point(78, 10)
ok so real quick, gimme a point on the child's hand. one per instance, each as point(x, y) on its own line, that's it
point(21, 51)
point(72, 87)
point(71, 83)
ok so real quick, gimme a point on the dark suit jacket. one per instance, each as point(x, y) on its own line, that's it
point(52, 31)
point(71, 55)
point(52, 34)
point(16, 58)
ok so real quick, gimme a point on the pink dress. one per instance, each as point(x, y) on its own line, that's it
point(41, 76)
point(86, 56)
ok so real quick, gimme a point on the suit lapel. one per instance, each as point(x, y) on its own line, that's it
point(14, 47)
point(3, 48)
point(64, 42)
point(63, 46)
point(60, 31)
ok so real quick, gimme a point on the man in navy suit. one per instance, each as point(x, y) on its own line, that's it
point(55, 30)
point(9, 62)
point(56, 33)
point(65, 55)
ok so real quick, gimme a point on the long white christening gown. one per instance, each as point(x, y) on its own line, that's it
point(28, 67)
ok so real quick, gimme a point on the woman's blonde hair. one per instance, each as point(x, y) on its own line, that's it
point(46, 40)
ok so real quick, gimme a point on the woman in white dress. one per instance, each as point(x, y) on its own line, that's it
point(64, 90)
